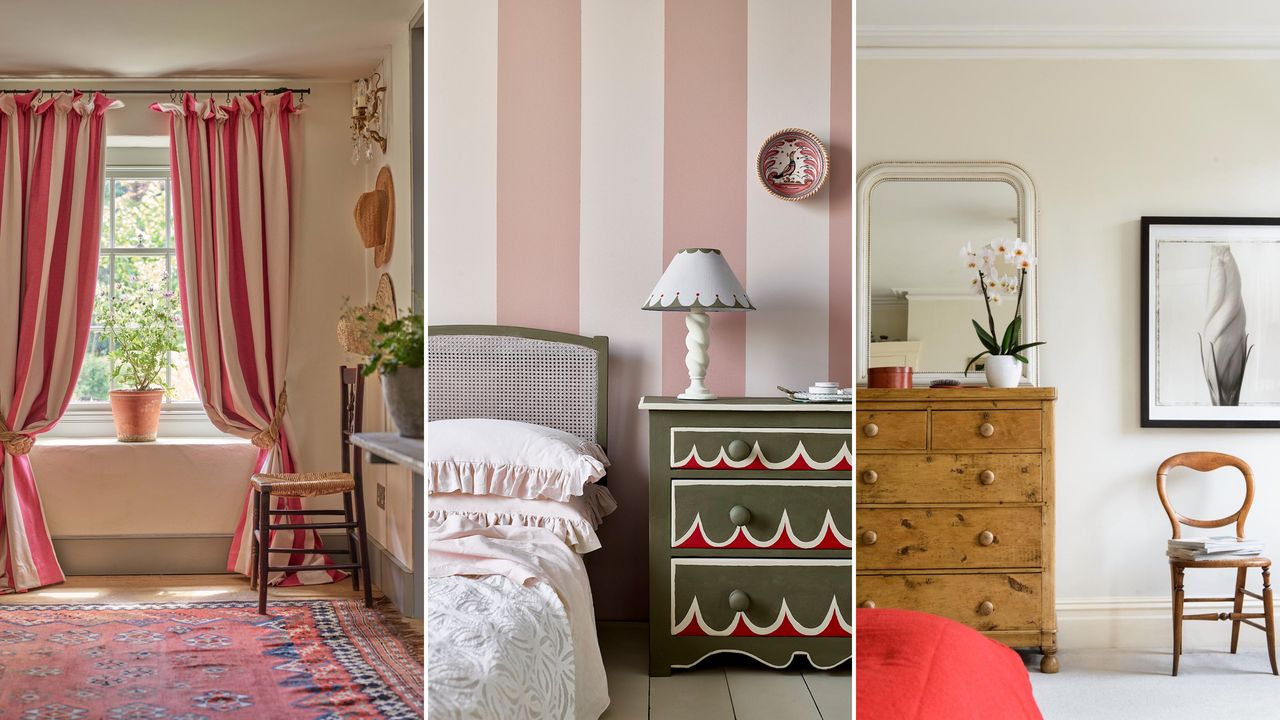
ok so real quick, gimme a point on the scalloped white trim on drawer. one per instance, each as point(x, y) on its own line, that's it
point(833, 625)
point(799, 459)
point(828, 538)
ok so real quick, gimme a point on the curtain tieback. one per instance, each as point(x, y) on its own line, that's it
point(268, 437)
point(15, 443)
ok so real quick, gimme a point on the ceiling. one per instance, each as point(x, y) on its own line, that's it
point(1074, 28)
point(306, 39)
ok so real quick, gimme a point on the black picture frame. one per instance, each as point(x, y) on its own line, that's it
point(1147, 334)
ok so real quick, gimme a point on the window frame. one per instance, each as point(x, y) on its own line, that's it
point(184, 418)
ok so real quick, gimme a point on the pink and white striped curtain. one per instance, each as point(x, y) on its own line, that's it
point(233, 214)
point(51, 166)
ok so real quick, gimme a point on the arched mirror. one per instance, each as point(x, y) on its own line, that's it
point(916, 298)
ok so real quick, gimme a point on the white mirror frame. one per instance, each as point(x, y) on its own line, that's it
point(873, 175)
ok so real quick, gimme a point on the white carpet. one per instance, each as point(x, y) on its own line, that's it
point(1129, 684)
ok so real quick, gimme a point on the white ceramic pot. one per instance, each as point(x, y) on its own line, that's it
point(1003, 371)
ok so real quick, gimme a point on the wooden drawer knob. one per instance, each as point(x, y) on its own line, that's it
point(739, 601)
point(986, 608)
point(986, 477)
point(870, 477)
point(869, 604)
point(871, 429)
point(869, 537)
point(986, 429)
point(739, 515)
point(986, 537)
point(739, 450)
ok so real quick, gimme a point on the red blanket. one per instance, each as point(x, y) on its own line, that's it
point(914, 666)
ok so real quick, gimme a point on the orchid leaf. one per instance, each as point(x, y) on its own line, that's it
point(1011, 334)
point(973, 360)
point(988, 341)
point(1019, 348)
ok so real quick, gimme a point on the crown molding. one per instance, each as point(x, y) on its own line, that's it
point(910, 42)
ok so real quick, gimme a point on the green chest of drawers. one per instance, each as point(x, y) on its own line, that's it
point(750, 531)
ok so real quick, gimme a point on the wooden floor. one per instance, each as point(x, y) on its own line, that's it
point(110, 589)
point(717, 689)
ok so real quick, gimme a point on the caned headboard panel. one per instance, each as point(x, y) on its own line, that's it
point(548, 378)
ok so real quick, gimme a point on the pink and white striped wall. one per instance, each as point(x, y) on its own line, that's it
point(577, 144)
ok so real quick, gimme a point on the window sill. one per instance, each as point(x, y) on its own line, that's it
point(53, 442)
point(91, 424)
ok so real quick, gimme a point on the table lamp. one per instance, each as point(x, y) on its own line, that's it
point(698, 281)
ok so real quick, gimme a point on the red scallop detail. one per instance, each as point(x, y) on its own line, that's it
point(696, 541)
point(831, 542)
point(833, 629)
point(692, 630)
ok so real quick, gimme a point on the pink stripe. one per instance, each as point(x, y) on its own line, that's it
point(840, 182)
point(539, 149)
point(37, 535)
point(705, 170)
point(52, 300)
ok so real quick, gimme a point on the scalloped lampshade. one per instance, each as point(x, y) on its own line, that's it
point(699, 278)
point(698, 281)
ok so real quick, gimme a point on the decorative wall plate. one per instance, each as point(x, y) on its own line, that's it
point(792, 164)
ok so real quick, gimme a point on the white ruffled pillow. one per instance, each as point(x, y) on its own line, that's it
point(511, 459)
point(574, 521)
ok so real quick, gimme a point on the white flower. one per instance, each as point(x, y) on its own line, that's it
point(966, 251)
point(971, 263)
point(1001, 247)
point(1025, 263)
point(1019, 250)
point(994, 299)
point(975, 285)
point(993, 281)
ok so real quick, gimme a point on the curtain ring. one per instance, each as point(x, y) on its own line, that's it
point(228, 97)
point(173, 96)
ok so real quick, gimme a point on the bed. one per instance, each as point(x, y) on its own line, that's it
point(916, 666)
point(510, 623)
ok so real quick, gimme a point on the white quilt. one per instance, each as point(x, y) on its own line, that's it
point(497, 650)
point(510, 627)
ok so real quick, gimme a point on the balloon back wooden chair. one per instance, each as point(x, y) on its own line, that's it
point(348, 483)
point(1206, 462)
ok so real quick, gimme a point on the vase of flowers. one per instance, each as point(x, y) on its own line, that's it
point(142, 328)
point(399, 352)
point(1000, 268)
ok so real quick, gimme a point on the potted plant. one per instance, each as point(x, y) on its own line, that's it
point(399, 351)
point(1004, 350)
point(142, 328)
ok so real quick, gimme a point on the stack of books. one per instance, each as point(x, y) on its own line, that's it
point(1213, 548)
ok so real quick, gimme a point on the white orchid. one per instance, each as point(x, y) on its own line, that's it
point(995, 286)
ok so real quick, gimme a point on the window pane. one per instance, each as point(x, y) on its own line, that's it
point(95, 373)
point(141, 212)
point(184, 389)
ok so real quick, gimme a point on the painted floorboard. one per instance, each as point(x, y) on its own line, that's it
point(625, 647)
point(833, 692)
point(760, 694)
point(696, 695)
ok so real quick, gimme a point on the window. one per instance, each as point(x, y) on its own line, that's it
point(137, 255)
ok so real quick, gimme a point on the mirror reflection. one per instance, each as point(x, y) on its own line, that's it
point(922, 297)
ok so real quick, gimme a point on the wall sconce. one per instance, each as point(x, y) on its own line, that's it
point(366, 118)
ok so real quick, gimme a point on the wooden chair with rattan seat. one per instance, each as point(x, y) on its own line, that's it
point(316, 484)
point(1206, 462)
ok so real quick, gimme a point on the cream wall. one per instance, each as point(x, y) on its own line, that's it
point(1105, 141)
point(131, 492)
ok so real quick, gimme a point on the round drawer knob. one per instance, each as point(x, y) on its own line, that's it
point(986, 537)
point(986, 608)
point(869, 537)
point(870, 477)
point(868, 604)
point(739, 601)
point(986, 477)
point(739, 450)
point(739, 515)
point(987, 429)
point(871, 429)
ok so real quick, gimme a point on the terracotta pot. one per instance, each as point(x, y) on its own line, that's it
point(136, 414)
point(889, 377)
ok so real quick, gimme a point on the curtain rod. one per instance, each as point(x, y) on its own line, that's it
point(171, 91)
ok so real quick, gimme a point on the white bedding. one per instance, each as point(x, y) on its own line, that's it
point(510, 627)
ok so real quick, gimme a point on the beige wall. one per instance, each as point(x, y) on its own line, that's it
point(1105, 143)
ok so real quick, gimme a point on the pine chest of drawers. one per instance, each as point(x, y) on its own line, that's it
point(955, 508)
point(750, 531)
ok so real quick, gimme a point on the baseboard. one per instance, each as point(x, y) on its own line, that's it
point(151, 554)
point(1144, 622)
point(400, 584)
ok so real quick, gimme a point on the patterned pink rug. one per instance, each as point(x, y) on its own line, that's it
point(193, 661)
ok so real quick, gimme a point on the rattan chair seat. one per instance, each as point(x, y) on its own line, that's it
point(305, 484)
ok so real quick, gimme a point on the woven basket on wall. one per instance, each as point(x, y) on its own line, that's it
point(356, 335)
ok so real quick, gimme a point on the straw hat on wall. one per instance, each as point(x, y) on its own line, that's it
point(375, 217)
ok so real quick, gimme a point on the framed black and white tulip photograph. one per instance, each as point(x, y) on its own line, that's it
point(1210, 322)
